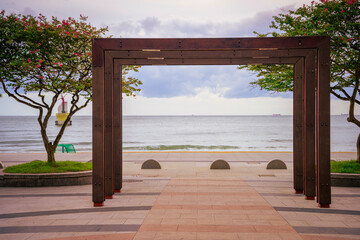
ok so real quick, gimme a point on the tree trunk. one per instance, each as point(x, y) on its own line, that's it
point(50, 154)
point(358, 149)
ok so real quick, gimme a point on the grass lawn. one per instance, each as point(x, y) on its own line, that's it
point(38, 166)
point(345, 166)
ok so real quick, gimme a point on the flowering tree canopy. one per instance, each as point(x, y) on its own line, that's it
point(339, 19)
point(50, 58)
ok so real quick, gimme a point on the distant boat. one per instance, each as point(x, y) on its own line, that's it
point(62, 113)
point(276, 114)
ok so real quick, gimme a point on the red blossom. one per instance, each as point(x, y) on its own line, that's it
point(40, 61)
point(67, 33)
point(60, 65)
point(343, 11)
point(90, 53)
point(31, 51)
point(16, 19)
point(349, 39)
point(29, 60)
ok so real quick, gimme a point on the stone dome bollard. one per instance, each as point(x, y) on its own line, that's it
point(220, 164)
point(276, 164)
point(151, 164)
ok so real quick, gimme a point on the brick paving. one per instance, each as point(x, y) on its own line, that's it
point(183, 200)
point(213, 209)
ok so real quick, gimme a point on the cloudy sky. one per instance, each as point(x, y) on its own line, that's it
point(180, 90)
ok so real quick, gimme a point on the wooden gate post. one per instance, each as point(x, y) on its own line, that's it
point(98, 125)
point(117, 127)
point(298, 126)
point(323, 125)
point(309, 124)
point(108, 133)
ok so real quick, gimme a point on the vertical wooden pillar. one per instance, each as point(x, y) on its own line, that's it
point(117, 127)
point(108, 132)
point(298, 129)
point(98, 125)
point(323, 125)
point(309, 130)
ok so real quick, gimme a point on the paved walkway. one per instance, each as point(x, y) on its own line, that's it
point(183, 200)
point(213, 209)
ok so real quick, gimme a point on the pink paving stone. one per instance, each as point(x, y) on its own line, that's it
point(214, 211)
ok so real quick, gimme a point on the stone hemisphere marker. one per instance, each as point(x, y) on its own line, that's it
point(276, 164)
point(151, 164)
point(220, 164)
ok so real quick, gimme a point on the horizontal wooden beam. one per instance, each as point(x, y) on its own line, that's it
point(218, 54)
point(208, 43)
point(205, 61)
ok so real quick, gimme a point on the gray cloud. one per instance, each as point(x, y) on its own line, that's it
point(155, 27)
point(29, 11)
point(174, 81)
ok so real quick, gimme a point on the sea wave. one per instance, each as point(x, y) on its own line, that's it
point(180, 147)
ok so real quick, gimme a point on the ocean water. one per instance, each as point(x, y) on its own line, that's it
point(176, 133)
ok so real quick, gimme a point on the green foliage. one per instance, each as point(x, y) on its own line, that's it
point(345, 166)
point(276, 78)
point(50, 58)
point(38, 166)
point(339, 19)
point(41, 55)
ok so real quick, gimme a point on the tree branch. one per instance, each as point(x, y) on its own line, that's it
point(50, 109)
point(43, 98)
point(27, 98)
point(338, 95)
point(15, 97)
point(72, 111)
point(351, 117)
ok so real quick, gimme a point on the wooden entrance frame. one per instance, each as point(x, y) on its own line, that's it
point(310, 57)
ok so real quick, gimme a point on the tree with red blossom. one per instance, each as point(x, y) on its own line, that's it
point(339, 19)
point(50, 58)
